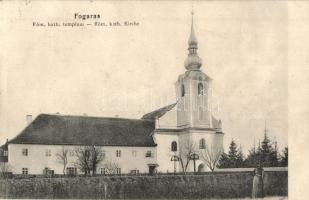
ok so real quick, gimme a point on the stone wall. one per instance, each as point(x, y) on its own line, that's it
point(208, 185)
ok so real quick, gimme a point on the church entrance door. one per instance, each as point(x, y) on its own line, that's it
point(201, 168)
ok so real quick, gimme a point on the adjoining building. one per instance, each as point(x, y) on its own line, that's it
point(159, 141)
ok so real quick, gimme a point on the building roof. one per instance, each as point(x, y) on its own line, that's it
point(84, 130)
point(4, 147)
point(159, 112)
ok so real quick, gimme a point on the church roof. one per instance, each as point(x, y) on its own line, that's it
point(84, 130)
point(159, 112)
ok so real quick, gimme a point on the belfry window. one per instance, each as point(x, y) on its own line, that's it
point(200, 89)
point(182, 90)
point(202, 143)
point(174, 146)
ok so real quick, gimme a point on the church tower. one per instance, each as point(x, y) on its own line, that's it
point(193, 90)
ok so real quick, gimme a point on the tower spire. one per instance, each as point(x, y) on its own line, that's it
point(192, 39)
point(193, 61)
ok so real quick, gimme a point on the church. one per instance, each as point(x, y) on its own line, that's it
point(181, 137)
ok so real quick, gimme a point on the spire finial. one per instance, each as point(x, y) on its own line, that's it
point(192, 39)
point(193, 62)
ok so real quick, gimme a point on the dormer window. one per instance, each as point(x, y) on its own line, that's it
point(200, 89)
point(182, 90)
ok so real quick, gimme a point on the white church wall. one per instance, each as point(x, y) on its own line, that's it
point(169, 119)
point(36, 160)
point(164, 153)
point(185, 142)
point(213, 141)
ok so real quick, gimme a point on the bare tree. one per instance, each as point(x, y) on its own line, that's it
point(211, 156)
point(62, 157)
point(185, 154)
point(97, 156)
point(83, 159)
point(111, 167)
point(88, 158)
point(5, 168)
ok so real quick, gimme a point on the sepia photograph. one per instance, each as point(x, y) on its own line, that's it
point(144, 99)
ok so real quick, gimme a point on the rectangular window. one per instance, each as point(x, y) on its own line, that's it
point(25, 152)
point(47, 152)
point(25, 171)
point(71, 153)
point(71, 171)
point(5, 153)
point(118, 153)
point(118, 170)
point(103, 171)
point(135, 171)
point(148, 154)
point(134, 153)
point(87, 153)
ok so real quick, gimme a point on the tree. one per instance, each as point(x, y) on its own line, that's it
point(88, 158)
point(268, 154)
point(284, 158)
point(240, 158)
point(185, 154)
point(233, 154)
point(223, 161)
point(211, 156)
point(97, 156)
point(5, 168)
point(111, 167)
point(252, 158)
point(233, 159)
point(62, 157)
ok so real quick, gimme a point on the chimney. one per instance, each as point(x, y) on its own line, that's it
point(28, 119)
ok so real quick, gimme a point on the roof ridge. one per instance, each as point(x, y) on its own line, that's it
point(74, 129)
point(164, 109)
point(96, 117)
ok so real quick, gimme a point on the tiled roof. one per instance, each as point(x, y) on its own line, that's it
point(159, 112)
point(84, 130)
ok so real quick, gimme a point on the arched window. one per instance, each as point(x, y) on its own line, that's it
point(202, 143)
point(182, 90)
point(174, 146)
point(200, 89)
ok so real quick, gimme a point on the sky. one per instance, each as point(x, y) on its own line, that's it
point(129, 71)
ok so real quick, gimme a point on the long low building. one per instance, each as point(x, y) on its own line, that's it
point(125, 142)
